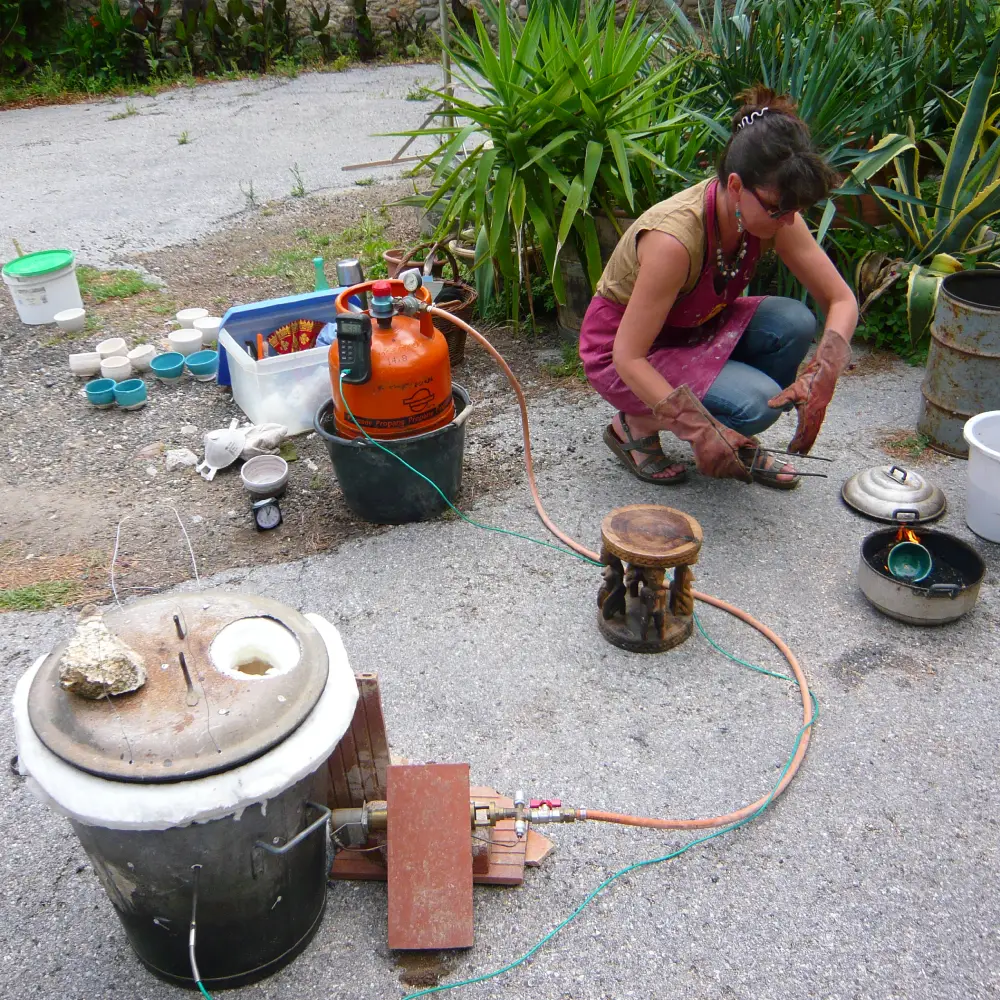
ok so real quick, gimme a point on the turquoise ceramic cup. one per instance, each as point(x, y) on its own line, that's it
point(131, 394)
point(168, 367)
point(101, 392)
point(910, 562)
point(203, 364)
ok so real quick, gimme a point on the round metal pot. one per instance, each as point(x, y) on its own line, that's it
point(914, 603)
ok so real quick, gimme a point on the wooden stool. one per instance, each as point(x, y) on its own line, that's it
point(638, 611)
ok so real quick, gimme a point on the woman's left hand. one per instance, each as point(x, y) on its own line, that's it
point(812, 391)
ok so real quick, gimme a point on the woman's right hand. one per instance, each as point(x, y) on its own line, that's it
point(716, 447)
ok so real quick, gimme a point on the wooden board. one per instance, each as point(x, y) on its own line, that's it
point(429, 856)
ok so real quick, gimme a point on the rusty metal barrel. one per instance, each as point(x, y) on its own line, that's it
point(963, 364)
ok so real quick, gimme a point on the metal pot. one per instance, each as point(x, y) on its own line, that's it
point(894, 494)
point(920, 603)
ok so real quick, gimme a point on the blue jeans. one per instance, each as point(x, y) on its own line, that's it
point(765, 361)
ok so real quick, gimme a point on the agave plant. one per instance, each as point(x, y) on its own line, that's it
point(560, 128)
point(934, 236)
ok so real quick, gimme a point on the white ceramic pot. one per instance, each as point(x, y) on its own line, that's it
point(186, 317)
point(141, 356)
point(117, 368)
point(113, 348)
point(71, 320)
point(185, 341)
point(208, 326)
point(85, 365)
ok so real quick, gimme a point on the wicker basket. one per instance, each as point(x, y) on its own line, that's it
point(461, 299)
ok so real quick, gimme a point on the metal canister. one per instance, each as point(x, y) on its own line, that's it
point(349, 272)
point(963, 364)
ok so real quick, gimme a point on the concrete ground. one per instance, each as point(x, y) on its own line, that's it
point(874, 876)
point(109, 178)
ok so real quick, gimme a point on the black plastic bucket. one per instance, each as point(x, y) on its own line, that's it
point(378, 487)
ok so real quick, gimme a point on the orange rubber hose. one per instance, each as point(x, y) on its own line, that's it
point(772, 637)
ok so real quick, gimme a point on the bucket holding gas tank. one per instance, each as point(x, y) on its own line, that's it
point(378, 487)
point(982, 498)
point(43, 284)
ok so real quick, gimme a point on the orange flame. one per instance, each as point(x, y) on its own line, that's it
point(907, 535)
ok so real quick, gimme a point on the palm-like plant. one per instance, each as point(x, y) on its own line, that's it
point(560, 128)
point(933, 235)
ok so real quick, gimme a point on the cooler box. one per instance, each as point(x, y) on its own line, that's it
point(282, 388)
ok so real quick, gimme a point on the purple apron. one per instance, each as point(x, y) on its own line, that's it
point(700, 333)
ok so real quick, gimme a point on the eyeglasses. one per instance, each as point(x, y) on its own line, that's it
point(772, 211)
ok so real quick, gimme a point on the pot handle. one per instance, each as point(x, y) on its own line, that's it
point(944, 590)
point(906, 513)
point(894, 469)
point(299, 837)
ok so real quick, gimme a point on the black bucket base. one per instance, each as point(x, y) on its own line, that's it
point(378, 488)
point(244, 978)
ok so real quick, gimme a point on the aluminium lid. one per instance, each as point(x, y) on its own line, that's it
point(895, 495)
point(252, 671)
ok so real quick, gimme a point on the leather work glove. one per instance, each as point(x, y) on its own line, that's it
point(812, 391)
point(716, 447)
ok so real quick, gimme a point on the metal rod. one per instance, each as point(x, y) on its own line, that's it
point(195, 974)
point(795, 454)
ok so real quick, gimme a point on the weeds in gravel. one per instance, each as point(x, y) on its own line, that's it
point(366, 240)
point(130, 110)
point(249, 195)
point(99, 286)
point(183, 139)
point(165, 308)
point(419, 92)
point(39, 596)
point(298, 188)
point(365, 182)
point(570, 367)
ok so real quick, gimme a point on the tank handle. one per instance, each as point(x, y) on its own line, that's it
point(299, 837)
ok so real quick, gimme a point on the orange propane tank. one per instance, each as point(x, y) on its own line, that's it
point(397, 380)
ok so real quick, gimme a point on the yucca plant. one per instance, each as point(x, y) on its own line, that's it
point(823, 55)
point(933, 236)
point(561, 127)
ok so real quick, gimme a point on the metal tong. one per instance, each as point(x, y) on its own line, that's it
point(774, 451)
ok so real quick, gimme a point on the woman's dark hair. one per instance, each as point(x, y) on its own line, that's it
point(772, 148)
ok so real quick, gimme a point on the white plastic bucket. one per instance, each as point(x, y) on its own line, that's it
point(982, 502)
point(43, 284)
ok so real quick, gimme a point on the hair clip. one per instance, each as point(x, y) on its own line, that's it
point(749, 119)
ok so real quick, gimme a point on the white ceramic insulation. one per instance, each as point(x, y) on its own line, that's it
point(119, 805)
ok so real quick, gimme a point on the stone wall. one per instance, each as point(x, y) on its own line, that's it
point(385, 15)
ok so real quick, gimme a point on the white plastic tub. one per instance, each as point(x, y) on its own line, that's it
point(43, 284)
point(982, 510)
point(284, 389)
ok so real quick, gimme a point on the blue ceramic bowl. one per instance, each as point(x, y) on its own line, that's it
point(101, 392)
point(910, 562)
point(203, 364)
point(168, 367)
point(131, 394)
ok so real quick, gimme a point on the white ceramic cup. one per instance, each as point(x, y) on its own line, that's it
point(117, 368)
point(185, 341)
point(141, 356)
point(85, 365)
point(113, 348)
point(71, 320)
point(186, 317)
point(209, 328)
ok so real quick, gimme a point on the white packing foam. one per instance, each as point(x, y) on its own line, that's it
point(119, 805)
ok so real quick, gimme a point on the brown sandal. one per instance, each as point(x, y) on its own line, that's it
point(767, 475)
point(655, 461)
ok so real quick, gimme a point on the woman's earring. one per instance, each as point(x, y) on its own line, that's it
point(739, 221)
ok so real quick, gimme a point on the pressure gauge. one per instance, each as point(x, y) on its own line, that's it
point(266, 514)
point(411, 279)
